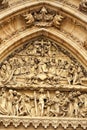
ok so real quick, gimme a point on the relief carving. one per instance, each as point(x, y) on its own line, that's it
point(41, 67)
point(29, 19)
point(33, 81)
point(43, 18)
point(43, 103)
point(3, 4)
point(40, 64)
point(83, 6)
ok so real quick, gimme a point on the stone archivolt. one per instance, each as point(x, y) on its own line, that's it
point(41, 82)
point(42, 18)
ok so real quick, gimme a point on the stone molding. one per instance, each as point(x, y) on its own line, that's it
point(30, 29)
point(6, 19)
point(10, 13)
point(62, 2)
point(77, 22)
point(44, 121)
point(35, 32)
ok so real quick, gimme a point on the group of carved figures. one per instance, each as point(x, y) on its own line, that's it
point(50, 71)
point(42, 63)
point(43, 103)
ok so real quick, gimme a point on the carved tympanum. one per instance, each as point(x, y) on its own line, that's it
point(40, 64)
point(83, 6)
point(43, 18)
point(44, 69)
point(43, 103)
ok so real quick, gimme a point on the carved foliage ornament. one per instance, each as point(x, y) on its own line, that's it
point(33, 84)
point(83, 6)
point(43, 18)
point(3, 4)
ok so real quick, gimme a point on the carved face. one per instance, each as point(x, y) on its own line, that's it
point(10, 91)
point(57, 93)
point(41, 90)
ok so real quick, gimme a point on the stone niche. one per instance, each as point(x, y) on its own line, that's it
point(42, 86)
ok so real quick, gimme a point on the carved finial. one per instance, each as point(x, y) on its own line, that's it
point(43, 18)
point(43, 10)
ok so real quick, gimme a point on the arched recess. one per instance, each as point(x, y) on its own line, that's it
point(18, 9)
point(66, 91)
point(52, 33)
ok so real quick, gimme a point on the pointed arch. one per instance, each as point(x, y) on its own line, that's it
point(28, 34)
point(58, 37)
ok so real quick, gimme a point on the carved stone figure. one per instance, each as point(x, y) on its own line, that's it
point(3, 102)
point(10, 99)
point(16, 103)
point(76, 103)
point(42, 100)
point(83, 105)
point(23, 110)
point(27, 105)
point(40, 66)
point(57, 103)
point(43, 103)
point(71, 105)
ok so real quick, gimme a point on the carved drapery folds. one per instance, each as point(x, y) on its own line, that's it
point(41, 64)
point(41, 83)
point(45, 70)
point(41, 79)
point(43, 103)
point(43, 18)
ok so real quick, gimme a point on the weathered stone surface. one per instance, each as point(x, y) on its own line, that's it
point(43, 64)
point(3, 4)
point(83, 6)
